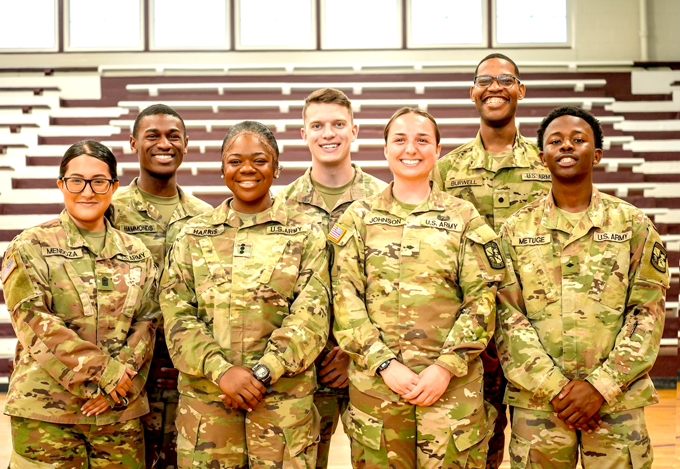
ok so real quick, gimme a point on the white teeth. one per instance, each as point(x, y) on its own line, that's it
point(567, 160)
point(163, 157)
point(331, 146)
point(410, 161)
point(248, 183)
point(495, 100)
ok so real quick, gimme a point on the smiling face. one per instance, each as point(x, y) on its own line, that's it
point(160, 144)
point(495, 104)
point(87, 208)
point(411, 148)
point(249, 171)
point(569, 149)
point(329, 133)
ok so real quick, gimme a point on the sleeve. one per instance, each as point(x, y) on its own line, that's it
point(481, 269)
point(191, 344)
point(637, 343)
point(525, 362)
point(437, 174)
point(294, 346)
point(139, 346)
point(75, 363)
point(353, 329)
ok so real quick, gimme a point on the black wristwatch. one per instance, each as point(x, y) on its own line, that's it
point(262, 374)
point(383, 366)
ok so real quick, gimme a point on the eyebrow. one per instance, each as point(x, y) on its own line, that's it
point(158, 131)
point(257, 153)
point(96, 176)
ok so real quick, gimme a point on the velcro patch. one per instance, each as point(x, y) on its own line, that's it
point(453, 183)
point(531, 240)
point(336, 233)
point(131, 229)
point(9, 267)
point(494, 256)
point(659, 258)
point(288, 230)
point(616, 237)
point(68, 253)
point(536, 177)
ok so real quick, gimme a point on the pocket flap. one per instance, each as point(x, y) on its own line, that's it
point(188, 420)
point(304, 434)
point(640, 456)
point(470, 435)
point(364, 428)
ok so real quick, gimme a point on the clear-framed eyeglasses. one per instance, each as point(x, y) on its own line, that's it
point(76, 185)
point(506, 81)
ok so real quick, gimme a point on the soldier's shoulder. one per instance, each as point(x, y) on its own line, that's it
point(373, 184)
point(49, 231)
point(456, 154)
point(292, 189)
point(621, 211)
point(464, 207)
point(197, 204)
point(135, 247)
point(526, 214)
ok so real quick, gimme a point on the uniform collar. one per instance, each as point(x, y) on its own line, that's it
point(224, 214)
point(520, 154)
point(387, 203)
point(183, 210)
point(306, 192)
point(114, 244)
point(595, 211)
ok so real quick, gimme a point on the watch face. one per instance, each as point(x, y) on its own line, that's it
point(260, 372)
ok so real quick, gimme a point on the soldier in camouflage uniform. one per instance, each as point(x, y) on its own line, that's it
point(581, 313)
point(154, 209)
point(499, 172)
point(414, 292)
point(245, 303)
point(81, 295)
point(322, 194)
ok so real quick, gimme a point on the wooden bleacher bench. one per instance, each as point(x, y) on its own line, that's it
point(21, 120)
point(281, 124)
point(577, 84)
point(339, 67)
point(666, 125)
point(644, 146)
point(357, 104)
point(30, 101)
point(66, 112)
point(79, 131)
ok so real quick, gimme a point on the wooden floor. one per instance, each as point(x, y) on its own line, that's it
point(663, 421)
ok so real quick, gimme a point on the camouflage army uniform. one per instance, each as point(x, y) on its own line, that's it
point(133, 215)
point(242, 293)
point(81, 319)
point(419, 287)
point(301, 196)
point(497, 190)
point(582, 304)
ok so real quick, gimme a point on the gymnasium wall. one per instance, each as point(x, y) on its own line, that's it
point(603, 30)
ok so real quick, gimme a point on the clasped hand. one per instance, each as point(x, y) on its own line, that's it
point(578, 404)
point(423, 389)
point(241, 389)
point(99, 405)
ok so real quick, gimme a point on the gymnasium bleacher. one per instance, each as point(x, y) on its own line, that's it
point(43, 112)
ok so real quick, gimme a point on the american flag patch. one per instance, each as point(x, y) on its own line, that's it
point(337, 232)
point(10, 265)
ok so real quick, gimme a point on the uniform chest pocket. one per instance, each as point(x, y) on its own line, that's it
point(538, 287)
point(218, 272)
point(75, 292)
point(609, 266)
point(282, 267)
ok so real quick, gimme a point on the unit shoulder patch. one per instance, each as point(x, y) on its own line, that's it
point(659, 258)
point(493, 255)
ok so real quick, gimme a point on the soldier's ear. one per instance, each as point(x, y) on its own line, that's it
point(540, 154)
point(598, 156)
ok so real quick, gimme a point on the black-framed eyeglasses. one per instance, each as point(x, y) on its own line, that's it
point(77, 185)
point(506, 81)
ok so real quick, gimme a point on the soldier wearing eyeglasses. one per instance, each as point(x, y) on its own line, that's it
point(154, 209)
point(499, 172)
